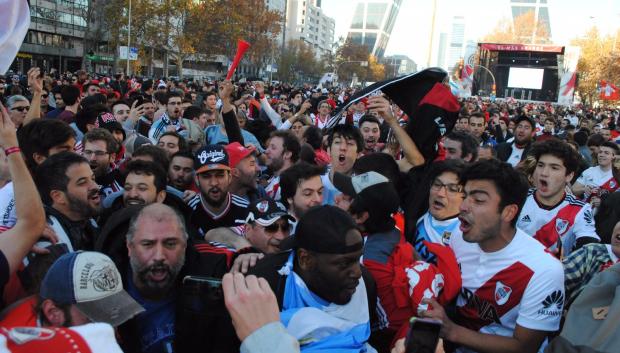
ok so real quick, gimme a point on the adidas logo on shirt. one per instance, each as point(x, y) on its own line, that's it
point(526, 218)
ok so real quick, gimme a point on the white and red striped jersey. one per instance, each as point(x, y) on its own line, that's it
point(561, 225)
point(595, 177)
point(521, 284)
point(273, 188)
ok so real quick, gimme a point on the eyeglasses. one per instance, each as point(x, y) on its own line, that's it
point(44, 96)
point(437, 185)
point(274, 227)
point(21, 109)
point(89, 153)
point(284, 110)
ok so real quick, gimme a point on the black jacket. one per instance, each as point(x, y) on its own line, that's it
point(196, 325)
point(504, 150)
point(81, 235)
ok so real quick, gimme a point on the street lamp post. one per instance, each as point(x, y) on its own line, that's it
point(128, 39)
point(490, 73)
point(362, 63)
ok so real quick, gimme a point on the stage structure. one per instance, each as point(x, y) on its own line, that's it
point(527, 72)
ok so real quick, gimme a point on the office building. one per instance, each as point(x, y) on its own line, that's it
point(306, 21)
point(540, 8)
point(279, 6)
point(456, 47)
point(441, 51)
point(55, 38)
point(372, 24)
point(398, 65)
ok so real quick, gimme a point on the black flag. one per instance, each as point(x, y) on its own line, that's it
point(431, 107)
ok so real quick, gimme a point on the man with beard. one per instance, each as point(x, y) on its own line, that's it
point(345, 146)
point(244, 170)
point(302, 188)
point(516, 151)
point(440, 222)
point(214, 206)
point(371, 131)
point(38, 140)
point(282, 152)
point(100, 149)
point(181, 171)
point(552, 216)
point(145, 183)
point(171, 120)
point(71, 195)
point(156, 244)
point(512, 289)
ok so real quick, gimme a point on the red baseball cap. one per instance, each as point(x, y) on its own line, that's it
point(236, 153)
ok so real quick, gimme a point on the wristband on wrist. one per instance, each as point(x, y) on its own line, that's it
point(10, 150)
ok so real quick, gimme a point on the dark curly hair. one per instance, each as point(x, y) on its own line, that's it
point(559, 149)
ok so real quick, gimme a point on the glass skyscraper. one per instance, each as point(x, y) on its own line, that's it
point(372, 24)
point(540, 8)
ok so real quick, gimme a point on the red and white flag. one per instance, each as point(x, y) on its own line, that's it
point(609, 91)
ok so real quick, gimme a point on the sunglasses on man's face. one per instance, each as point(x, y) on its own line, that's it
point(44, 96)
point(21, 109)
point(273, 228)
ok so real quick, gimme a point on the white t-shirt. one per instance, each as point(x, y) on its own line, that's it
point(8, 218)
point(515, 156)
point(596, 177)
point(519, 284)
point(569, 220)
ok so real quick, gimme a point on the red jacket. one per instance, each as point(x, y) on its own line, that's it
point(402, 282)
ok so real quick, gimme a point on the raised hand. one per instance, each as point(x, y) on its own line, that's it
point(382, 106)
point(35, 80)
point(8, 133)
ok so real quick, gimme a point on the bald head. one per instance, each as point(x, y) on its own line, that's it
point(156, 214)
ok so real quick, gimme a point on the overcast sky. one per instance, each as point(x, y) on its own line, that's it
point(411, 34)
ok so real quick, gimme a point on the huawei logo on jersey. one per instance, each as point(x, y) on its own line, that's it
point(502, 293)
point(561, 226)
point(553, 303)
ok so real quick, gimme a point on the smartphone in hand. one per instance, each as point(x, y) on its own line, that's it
point(423, 335)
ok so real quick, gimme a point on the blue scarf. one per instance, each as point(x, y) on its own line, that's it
point(320, 326)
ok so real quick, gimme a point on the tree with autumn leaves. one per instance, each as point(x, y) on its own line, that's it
point(524, 29)
point(188, 28)
point(599, 60)
point(354, 59)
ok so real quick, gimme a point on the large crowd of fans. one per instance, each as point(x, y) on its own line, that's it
point(200, 216)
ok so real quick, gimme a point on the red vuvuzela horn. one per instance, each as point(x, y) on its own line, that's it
point(242, 46)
